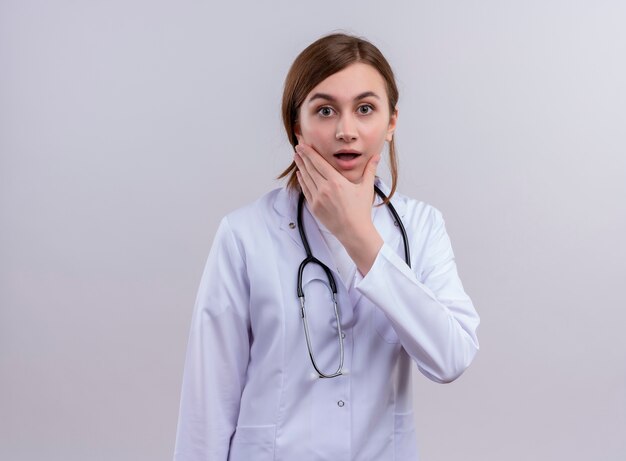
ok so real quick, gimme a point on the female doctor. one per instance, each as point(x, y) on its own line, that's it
point(316, 298)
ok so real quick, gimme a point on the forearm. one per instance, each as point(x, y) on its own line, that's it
point(437, 329)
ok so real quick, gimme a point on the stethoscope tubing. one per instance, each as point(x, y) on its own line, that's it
point(398, 221)
point(310, 259)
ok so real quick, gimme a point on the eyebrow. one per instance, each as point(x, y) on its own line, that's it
point(332, 99)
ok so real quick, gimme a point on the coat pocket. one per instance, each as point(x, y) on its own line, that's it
point(253, 443)
point(405, 440)
point(383, 327)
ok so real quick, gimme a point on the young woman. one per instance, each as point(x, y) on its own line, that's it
point(317, 298)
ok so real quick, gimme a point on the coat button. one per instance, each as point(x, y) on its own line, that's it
point(343, 335)
point(340, 403)
point(292, 225)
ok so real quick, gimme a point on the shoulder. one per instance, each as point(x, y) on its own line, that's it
point(422, 214)
point(415, 213)
point(247, 225)
point(267, 210)
point(423, 223)
point(426, 231)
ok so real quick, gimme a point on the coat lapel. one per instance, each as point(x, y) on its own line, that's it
point(286, 206)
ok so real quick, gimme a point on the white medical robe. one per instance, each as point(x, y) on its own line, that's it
point(249, 390)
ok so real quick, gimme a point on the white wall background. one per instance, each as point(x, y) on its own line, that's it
point(128, 128)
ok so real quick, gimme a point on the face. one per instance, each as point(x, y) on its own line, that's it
point(346, 119)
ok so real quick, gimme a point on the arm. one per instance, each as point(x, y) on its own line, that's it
point(217, 355)
point(434, 319)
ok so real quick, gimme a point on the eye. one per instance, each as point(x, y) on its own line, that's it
point(365, 109)
point(325, 111)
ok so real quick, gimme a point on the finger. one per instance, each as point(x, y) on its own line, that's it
point(316, 163)
point(304, 152)
point(303, 186)
point(305, 173)
point(369, 175)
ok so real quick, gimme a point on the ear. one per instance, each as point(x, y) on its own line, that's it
point(393, 120)
point(298, 132)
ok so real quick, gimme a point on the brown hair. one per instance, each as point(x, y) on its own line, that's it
point(321, 59)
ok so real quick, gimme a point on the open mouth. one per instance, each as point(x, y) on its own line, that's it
point(346, 156)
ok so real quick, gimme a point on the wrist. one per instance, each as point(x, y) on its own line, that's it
point(363, 247)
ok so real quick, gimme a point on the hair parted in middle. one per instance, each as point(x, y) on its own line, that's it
point(321, 59)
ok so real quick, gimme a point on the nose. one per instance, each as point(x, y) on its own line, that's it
point(346, 129)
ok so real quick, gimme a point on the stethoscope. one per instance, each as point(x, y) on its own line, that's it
point(331, 281)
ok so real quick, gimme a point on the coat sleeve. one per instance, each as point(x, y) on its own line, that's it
point(433, 317)
point(217, 355)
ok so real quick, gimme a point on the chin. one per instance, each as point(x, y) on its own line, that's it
point(352, 176)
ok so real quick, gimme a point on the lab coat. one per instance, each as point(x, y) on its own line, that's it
point(249, 390)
